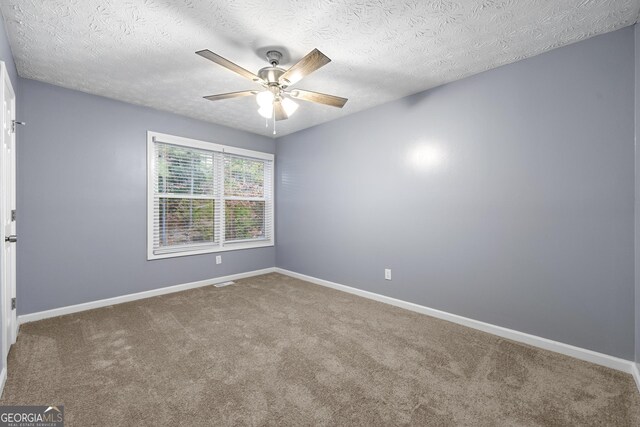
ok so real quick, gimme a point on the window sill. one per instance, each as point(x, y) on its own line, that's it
point(213, 249)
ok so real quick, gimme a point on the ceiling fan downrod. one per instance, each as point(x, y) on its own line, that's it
point(274, 57)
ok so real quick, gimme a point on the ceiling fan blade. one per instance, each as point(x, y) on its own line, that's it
point(206, 53)
point(230, 95)
point(307, 65)
point(320, 98)
point(279, 111)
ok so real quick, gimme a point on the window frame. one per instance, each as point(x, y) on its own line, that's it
point(199, 248)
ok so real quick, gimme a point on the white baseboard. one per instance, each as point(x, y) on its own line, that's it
point(32, 317)
point(544, 343)
point(636, 374)
point(3, 379)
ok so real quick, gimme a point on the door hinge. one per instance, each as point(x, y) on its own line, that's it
point(14, 123)
point(13, 303)
point(13, 214)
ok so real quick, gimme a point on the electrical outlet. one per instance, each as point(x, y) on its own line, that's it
point(218, 259)
point(387, 274)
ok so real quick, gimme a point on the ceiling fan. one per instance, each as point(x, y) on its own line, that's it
point(275, 100)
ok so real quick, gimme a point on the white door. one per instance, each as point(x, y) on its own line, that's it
point(7, 213)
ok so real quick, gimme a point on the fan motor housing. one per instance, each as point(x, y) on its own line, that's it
point(271, 75)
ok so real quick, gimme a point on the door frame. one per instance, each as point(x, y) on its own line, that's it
point(7, 287)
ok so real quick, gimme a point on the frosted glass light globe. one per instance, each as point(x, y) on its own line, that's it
point(289, 106)
point(266, 112)
point(265, 99)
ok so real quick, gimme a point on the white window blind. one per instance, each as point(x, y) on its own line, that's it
point(247, 198)
point(206, 197)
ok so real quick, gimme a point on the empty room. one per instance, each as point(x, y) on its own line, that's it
point(332, 213)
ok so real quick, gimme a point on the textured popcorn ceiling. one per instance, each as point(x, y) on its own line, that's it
point(142, 51)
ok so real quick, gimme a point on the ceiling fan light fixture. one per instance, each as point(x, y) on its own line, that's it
point(266, 112)
point(289, 106)
point(265, 99)
point(275, 98)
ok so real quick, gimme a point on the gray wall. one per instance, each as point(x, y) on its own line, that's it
point(82, 200)
point(7, 57)
point(637, 193)
point(526, 221)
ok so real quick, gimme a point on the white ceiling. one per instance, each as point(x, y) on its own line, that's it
point(142, 51)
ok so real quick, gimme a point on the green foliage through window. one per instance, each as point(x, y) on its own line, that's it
point(186, 221)
point(244, 219)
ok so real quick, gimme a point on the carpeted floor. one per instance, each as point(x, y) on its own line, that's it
point(273, 350)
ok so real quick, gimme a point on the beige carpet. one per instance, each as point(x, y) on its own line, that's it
point(272, 350)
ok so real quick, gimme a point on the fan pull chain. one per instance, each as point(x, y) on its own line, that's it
point(274, 118)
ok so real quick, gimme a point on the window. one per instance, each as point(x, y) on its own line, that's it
point(205, 197)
